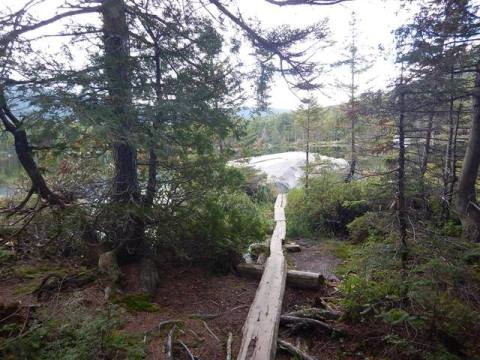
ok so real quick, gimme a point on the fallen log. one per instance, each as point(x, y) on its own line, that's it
point(292, 248)
point(295, 278)
point(259, 340)
point(294, 351)
point(311, 323)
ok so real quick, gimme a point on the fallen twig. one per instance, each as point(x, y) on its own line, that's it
point(190, 355)
point(214, 316)
point(169, 344)
point(229, 346)
point(167, 322)
point(210, 331)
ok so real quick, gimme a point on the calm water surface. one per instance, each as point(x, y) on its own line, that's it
point(10, 171)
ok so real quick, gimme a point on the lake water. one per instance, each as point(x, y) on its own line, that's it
point(10, 171)
point(286, 169)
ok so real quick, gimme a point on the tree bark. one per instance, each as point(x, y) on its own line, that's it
point(128, 229)
point(449, 163)
point(117, 58)
point(453, 165)
point(295, 279)
point(401, 210)
point(426, 149)
point(23, 150)
point(467, 204)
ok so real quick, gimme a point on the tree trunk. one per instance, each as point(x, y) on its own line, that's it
point(152, 177)
point(24, 153)
point(401, 211)
point(426, 150)
point(447, 170)
point(353, 149)
point(467, 205)
point(129, 228)
point(307, 150)
point(453, 169)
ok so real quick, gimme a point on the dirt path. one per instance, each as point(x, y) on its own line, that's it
point(316, 257)
point(194, 291)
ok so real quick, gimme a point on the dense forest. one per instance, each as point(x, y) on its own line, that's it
point(154, 205)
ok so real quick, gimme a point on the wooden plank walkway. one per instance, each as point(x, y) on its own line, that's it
point(259, 341)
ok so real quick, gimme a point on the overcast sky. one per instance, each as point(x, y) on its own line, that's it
point(376, 20)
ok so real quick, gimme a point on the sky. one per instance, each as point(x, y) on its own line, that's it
point(376, 21)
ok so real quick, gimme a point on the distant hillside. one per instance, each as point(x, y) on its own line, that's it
point(249, 112)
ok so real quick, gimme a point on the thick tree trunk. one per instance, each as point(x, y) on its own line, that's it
point(467, 205)
point(129, 228)
point(117, 57)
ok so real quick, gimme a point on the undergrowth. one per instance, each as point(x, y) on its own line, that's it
point(426, 309)
point(75, 333)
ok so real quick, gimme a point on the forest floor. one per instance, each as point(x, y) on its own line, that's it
point(209, 306)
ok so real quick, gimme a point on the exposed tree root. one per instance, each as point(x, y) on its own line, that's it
point(53, 283)
point(301, 323)
point(294, 351)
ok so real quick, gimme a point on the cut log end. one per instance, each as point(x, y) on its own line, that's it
point(292, 248)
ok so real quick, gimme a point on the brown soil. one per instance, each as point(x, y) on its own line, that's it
point(316, 257)
point(193, 295)
point(184, 294)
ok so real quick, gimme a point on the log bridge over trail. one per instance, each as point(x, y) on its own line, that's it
point(259, 341)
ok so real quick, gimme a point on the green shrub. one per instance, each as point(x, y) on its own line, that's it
point(330, 204)
point(368, 226)
point(297, 214)
point(218, 230)
point(363, 297)
point(452, 228)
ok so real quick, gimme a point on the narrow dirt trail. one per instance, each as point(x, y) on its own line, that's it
point(315, 256)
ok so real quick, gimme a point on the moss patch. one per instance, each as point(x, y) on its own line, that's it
point(6, 255)
point(29, 271)
point(137, 302)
